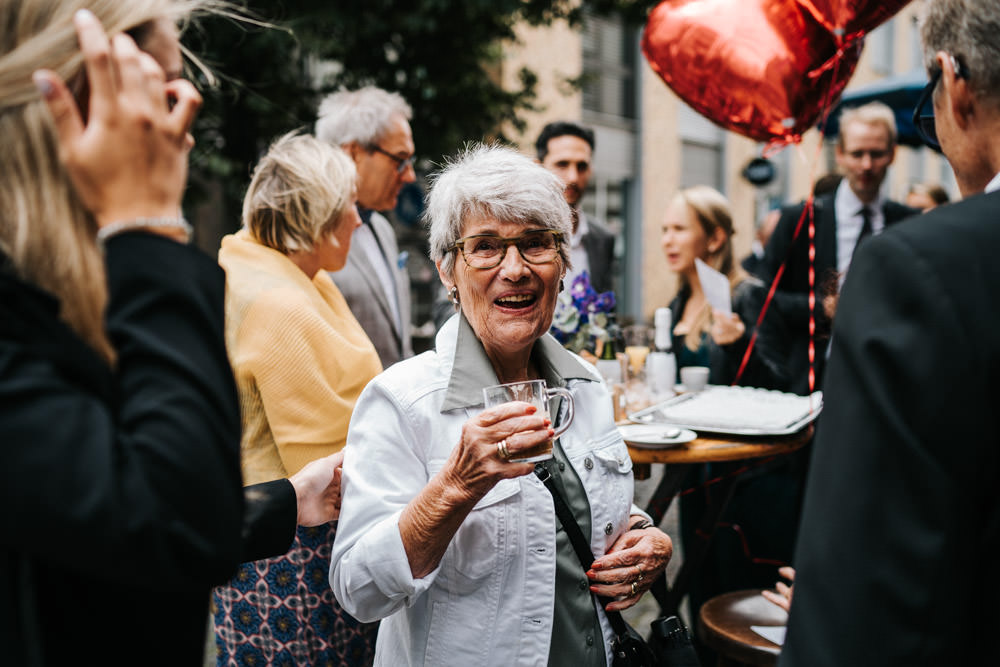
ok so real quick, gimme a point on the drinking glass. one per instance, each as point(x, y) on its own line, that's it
point(538, 394)
point(638, 338)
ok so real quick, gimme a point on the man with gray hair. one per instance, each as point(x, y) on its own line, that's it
point(896, 563)
point(855, 210)
point(372, 126)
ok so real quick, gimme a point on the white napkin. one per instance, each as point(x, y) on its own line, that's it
point(772, 633)
point(715, 285)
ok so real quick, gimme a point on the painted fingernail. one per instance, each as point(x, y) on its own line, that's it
point(43, 84)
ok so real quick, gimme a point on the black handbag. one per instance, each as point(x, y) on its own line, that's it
point(672, 645)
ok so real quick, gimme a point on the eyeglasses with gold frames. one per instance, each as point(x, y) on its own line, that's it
point(485, 251)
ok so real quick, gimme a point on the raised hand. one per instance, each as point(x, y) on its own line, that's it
point(127, 158)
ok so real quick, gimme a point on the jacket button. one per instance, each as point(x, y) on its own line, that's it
point(588, 463)
point(562, 467)
point(584, 585)
point(608, 528)
point(590, 640)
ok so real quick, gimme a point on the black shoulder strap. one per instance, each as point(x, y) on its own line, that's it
point(580, 544)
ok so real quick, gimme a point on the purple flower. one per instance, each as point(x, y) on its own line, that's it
point(574, 323)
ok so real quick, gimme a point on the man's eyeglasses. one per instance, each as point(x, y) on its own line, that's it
point(923, 114)
point(402, 163)
point(485, 251)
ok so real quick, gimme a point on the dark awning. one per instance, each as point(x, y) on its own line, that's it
point(900, 93)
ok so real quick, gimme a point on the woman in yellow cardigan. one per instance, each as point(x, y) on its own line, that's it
point(300, 359)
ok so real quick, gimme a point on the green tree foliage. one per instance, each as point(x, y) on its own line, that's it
point(441, 55)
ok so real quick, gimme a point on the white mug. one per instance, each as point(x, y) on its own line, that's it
point(694, 378)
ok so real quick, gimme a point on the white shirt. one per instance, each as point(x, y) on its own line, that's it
point(993, 184)
point(847, 208)
point(577, 252)
point(490, 600)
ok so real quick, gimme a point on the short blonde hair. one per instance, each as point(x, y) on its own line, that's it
point(44, 229)
point(298, 189)
point(873, 113)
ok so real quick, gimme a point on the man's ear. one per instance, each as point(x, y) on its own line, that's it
point(354, 149)
point(958, 98)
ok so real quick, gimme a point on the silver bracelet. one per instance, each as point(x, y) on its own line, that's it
point(107, 231)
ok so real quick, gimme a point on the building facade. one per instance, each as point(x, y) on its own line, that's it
point(650, 144)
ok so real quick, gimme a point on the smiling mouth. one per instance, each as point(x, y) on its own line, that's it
point(516, 301)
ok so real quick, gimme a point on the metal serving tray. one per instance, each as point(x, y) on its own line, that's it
point(746, 411)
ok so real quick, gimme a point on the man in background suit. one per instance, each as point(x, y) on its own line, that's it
point(896, 560)
point(566, 149)
point(856, 210)
point(372, 125)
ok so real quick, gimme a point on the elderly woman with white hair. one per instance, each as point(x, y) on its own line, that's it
point(442, 534)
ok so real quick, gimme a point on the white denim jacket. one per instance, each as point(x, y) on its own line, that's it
point(490, 600)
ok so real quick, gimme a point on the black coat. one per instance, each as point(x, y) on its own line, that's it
point(791, 301)
point(121, 489)
point(897, 553)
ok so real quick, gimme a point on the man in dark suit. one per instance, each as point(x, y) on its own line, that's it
point(896, 560)
point(856, 210)
point(566, 149)
point(372, 125)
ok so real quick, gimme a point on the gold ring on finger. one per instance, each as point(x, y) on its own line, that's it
point(639, 570)
point(502, 449)
point(634, 587)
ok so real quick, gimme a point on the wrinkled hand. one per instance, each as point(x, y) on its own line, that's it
point(783, 596)
point(637, 557)
point(129, 160)
point(317, 490)
point(726, 329)
point(475, 465)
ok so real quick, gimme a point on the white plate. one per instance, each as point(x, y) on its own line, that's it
point(655, 436)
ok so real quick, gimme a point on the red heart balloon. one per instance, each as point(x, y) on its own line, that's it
point(851, 19)
point(765, 69)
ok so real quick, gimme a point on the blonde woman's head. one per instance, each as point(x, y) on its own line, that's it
point(299, 193)
point(709, 209)
point(699, 225)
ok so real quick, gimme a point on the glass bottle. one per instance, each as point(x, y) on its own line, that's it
point(661, 365)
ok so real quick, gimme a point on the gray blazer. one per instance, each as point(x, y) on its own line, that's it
point(360, 285)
